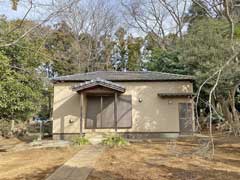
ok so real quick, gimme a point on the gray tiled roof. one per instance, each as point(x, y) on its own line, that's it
point(124, 76)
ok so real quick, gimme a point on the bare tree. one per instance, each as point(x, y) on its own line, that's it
point(147, 16)
point(177, 11)
point(91, 22)
point(53, 12)
point(159, 17)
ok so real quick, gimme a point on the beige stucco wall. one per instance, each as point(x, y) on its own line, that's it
point(153, 114)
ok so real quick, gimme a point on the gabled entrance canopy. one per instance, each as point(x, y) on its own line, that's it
point(96, 83)
point(99, 87)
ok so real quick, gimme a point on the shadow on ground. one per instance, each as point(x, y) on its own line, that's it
point(166, 173)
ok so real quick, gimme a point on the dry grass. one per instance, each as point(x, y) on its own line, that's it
point(34, 164)
point(170, 161)
point(164, 160)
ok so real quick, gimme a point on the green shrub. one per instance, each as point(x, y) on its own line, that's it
point(5, 128)
point(80, 140)
point(115, 140)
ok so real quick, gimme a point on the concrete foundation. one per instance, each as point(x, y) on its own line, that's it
point(130, 135)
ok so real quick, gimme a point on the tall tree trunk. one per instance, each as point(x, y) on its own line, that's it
point(225, 110)
point(235, 112)
point(230, 113)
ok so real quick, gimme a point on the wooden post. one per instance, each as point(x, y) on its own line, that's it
point(81, 111)
point(41, 130)
point(101, 110)
point(115, 110)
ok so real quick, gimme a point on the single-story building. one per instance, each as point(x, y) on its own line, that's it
point(136, 104)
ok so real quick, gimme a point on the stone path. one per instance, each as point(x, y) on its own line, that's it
point(79, 166)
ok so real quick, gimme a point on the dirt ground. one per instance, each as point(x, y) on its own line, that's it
point(30, 164)
point(171, 160)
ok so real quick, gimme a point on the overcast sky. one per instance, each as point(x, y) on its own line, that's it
point(40, 11)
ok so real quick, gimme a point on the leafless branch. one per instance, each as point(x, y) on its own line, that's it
point(210, 110)
point(22, 20)
point(213, 7)
point(204, 8)
point(177, 10)
point(198, 95)
point(148, 16)
point(52, 15)
point(227, 7)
